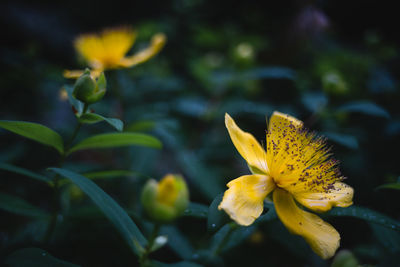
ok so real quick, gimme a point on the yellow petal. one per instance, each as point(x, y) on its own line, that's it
point(294, 155)
point(157, 43)
point(321, 236)
point(167, 190)
point(105, 50)
point(72, 74)
point(339, 195)
point(75, 74)
point(247, 145)
point(243, 201)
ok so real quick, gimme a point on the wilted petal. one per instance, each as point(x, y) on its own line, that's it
point(243, 201)
point(321, 236)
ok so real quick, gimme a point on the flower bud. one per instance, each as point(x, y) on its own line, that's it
point(165, 201)
point(89, 90)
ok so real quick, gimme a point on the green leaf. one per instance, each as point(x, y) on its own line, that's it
point(346, 140)
point(25, 172)
point(104, 175)
point(19, 206)
point(239, 235)
point(110, 208)
point(35, 257)
point(388, 238)
point(365, 107)
point(389, 186)
point(176, 264)
point(269, 215)
point(178, 242)
point(270, 72)
point(36, 132)
point(196, 210)
point(197, 170)
point(367, 215)
point(216, 218)
point(221, 237)
point(91, 118)
point(78, 105)
point(314, 101)
point(141, 126)
point(110, 174)
point(117, 140)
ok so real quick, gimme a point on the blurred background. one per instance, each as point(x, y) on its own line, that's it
point(332, 64)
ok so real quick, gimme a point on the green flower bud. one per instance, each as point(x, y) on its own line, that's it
point(88, 90)
point(165, 201)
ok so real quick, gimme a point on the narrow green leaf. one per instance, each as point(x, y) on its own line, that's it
point(269, 215)
point(389, 238)
point(117, 140)
point(176, 264)
point(216, 218)
point(110, 174)
point(221, 237)
point(346, 140)
point(110, 208)
point(78, 105)
point(91, 118)
point(140, 126)
point(19, 206)
point(197, 170)
point(35, 257)
point(36, 132)
point(104, 175)
point(25, 172)
point(389, 186)
point(178, 242)
point(270, 72)
point(314, 101)
point(367, 215)
point(365, 107)
point(196, 210)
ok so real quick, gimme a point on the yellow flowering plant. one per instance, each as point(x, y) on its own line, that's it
point(297, 169)
point(108, 49)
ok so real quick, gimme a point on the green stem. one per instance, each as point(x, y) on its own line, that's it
point(75, 133)
point(56, 194)
point(143, 260)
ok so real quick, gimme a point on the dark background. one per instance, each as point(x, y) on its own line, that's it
point(298, 46)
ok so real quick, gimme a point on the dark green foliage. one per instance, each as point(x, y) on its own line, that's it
point(335, 69)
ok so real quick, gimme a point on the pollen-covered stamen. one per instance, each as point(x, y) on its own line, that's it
point(293, 153)
point(319, 178)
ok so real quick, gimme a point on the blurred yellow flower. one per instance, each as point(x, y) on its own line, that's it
point(296, 167)
point(108, 49)
point(166, 200)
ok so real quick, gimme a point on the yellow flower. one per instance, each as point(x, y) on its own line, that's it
point(296, 168)
point(108, 49)
point(166, 200)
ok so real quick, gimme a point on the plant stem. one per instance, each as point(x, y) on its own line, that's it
point(56, 194)
point(143, 260)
